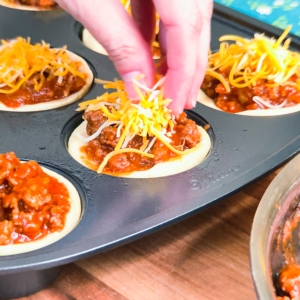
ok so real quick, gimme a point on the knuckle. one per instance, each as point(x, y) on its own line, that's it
point(202, 16)
point(122, 53)
point(195, 25)
point(183, 69)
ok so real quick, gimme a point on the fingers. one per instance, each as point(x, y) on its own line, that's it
point(202, 53)
point(185, 38)
point(110, 24)
point(143, 13)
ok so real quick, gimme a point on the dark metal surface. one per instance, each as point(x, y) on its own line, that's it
point(120, 210)
point(22, 284)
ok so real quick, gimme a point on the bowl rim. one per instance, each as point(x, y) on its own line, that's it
point(266, 213)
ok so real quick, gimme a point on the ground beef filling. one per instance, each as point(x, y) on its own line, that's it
point(289, 281)
point(241, 99)
point(50, 90)
point(186, 136)
point(32, 203)
point(36, 3)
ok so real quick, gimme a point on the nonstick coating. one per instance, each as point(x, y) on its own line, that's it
point(118, 210)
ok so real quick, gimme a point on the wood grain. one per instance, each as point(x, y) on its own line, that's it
point(203, 257)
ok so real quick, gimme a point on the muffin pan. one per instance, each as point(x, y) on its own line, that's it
point(118, 210)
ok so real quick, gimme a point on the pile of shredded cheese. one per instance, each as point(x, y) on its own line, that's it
point(19, 60)
point(260, 58)
point(150, 118)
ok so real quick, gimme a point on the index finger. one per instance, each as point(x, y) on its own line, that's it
point(111, 25)
point(182, 23)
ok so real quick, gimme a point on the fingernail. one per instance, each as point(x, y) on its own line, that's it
point(127, 78)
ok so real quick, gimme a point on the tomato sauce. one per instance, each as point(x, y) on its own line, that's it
point(50, 90)
point(186, 136)
point(241, 99)
point(32, 203)
point(289, 281)
point(289, 276)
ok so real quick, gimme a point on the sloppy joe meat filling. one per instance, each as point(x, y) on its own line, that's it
point(49, 91)
point(289, 281)
point(186, 135)
point(32, 203)
point(241, 99)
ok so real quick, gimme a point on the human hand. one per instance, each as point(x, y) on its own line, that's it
point(184, 39)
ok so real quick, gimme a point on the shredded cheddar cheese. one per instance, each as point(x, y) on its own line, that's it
point(150, 118)
point(19, 60)
point(260, 58)
point(126, 4)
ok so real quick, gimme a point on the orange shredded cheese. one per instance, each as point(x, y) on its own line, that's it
point(150, 118)
point(248, 61)
point(19, 60)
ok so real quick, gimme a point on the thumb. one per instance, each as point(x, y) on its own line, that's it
point(110, 24)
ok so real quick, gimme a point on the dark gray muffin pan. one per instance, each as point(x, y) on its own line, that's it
point(118, 210)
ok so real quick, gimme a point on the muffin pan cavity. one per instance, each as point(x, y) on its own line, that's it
point(74, 146)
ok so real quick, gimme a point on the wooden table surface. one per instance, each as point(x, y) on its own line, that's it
point(203, 257)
